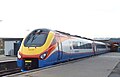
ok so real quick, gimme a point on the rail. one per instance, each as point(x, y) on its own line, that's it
point(10, 71)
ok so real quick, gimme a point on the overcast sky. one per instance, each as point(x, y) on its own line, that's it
point(88, 18)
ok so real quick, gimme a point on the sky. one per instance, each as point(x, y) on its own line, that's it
point(87, 18)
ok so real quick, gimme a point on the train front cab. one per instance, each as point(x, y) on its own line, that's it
point(52, 52)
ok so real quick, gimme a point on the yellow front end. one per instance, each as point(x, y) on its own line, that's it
point(35, 52)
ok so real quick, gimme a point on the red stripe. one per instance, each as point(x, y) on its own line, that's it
point(49, 50)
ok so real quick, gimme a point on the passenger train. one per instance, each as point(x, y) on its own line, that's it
point(44, 47)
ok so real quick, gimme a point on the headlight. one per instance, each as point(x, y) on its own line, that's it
point(19, 56)
point(43, 55)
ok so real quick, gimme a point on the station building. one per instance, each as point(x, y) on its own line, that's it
point(9, 46)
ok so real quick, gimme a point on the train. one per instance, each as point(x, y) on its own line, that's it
point(44, 47)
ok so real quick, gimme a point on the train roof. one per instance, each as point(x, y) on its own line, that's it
point(73, 35)
point(68, 34)
point(62, 32)
point(43, 29)
point(98, 42)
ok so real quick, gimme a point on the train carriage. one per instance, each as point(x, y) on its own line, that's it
point(44, 47)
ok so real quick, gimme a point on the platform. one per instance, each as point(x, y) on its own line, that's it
point(97, 66)
point(7, 62)
point(4, 58)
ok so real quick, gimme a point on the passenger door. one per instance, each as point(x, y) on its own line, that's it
point(59, 51)
point(59, 45)
point(94, 48)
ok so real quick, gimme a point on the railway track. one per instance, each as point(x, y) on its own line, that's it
point(10, 71)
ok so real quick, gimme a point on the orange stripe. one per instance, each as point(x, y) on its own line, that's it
point(51, 48)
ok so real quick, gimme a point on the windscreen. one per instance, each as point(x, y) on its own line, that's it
point(36, 38)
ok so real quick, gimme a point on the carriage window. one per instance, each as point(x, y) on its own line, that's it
point(88, 46)
point(75, 45)
point(81, 45)
point(101, 46)
point(54, 41)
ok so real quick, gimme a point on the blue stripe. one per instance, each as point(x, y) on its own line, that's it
point(53, 58)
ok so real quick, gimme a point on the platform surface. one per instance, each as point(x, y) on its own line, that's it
point(97, 66)
point(4, 58)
